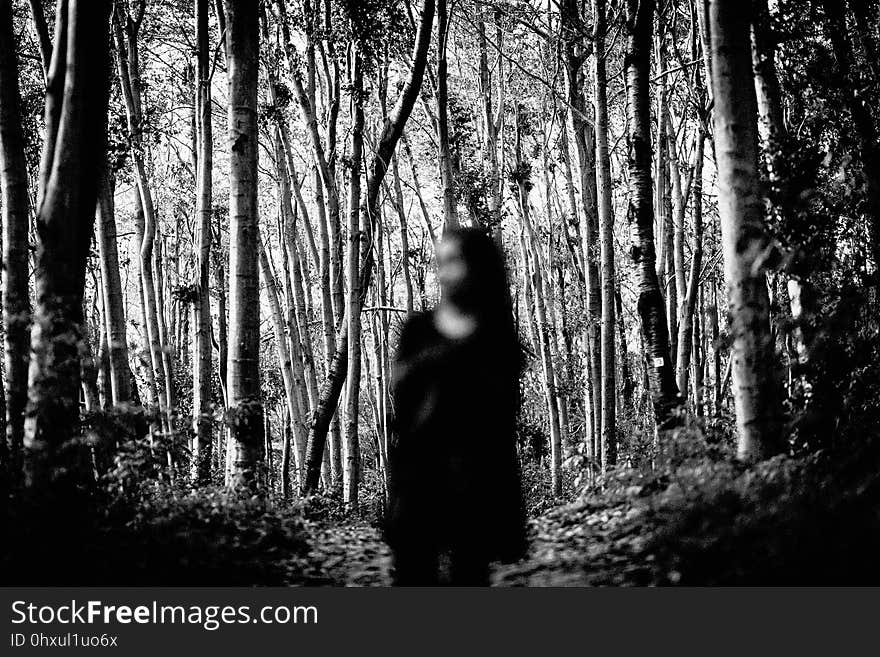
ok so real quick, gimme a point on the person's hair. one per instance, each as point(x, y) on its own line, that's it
point(487, 291)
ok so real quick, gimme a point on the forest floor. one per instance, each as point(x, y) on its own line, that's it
point(572, 545)
point(707, 520)
point(785, 521)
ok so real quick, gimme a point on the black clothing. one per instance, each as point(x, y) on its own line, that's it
point(454, 478)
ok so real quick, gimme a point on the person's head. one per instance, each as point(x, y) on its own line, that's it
point(470, 269)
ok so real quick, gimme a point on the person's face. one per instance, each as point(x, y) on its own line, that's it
point(452, 270)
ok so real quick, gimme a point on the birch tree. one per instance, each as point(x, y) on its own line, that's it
point(606, 239)
point(391, 133)
point(202, 358)
point(245, 411)
point(72, 160)
point(15, 207)
point(744, 239)
point(665, 396)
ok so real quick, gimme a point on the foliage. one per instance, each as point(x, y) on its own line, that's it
point(704, 521)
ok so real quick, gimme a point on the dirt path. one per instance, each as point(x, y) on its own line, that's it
point(568, 547)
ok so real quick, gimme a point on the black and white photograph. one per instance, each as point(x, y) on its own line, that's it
point(445, 294)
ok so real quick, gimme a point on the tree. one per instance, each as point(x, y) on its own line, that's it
point(640, 214)
point(744, 238)
point(447, 177)
point(72, 160)
point(202, 360)
point(111, 289)
point(126, 29)
point(245, 411)
point(391, 134)
point(16, 204)
point(356, 233)
point(575, 55)
point(606, 240)
point(689, 305)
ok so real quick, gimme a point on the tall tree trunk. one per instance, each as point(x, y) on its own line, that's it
point(534, 272)
point(292, 385)
point(129, 82)
point(303, 391)
point(285, 456)
point(202, 362)
point(575, 55)
point(686, 325)
point(350, 446)
point(744, 238)
point(222, 335)
point(160, 269)
point(323, 163)
point(491, 128)
point(73, 157)
point(447, 178)
point(328, 325)
point(243, 371)
point(628, 385)
point(391, 133)
point(15, 206)
point(606, 240)
point(111, 286)
point(652, 312)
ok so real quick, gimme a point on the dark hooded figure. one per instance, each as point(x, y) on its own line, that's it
point(454, 486)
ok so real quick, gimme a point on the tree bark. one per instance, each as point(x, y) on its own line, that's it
point(111, 286)
point(665, 396)
point(129, 82)
point(582, 133)
point(606, 241)
point(73, 155)
point(686, 323)
point(292, 385)
point(16, 204)
point(491, 128)
point(534, 271)
point(447, 178)
point(243, 371)
point(744, 238)
point(202, 362)
point(350, 446)
point(391, 133)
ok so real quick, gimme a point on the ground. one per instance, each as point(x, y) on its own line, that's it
point(702, 521)
point(786, 521)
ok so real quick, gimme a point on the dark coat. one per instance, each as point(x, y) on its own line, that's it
point(453, 469)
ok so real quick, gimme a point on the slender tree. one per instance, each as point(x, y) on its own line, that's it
point(201, 321)
point(391, 134)
point(606, 239)
point(447, 177)
point(126, 29)
point(111, 288)
point(16, 204)
point(576, 53)
point(350, 447)
point(686, 323)
point(652, 312)
point(245, 411)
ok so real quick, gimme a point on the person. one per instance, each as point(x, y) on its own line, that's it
point(454, 484)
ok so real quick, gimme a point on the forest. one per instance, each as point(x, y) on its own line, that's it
point(217, 215)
